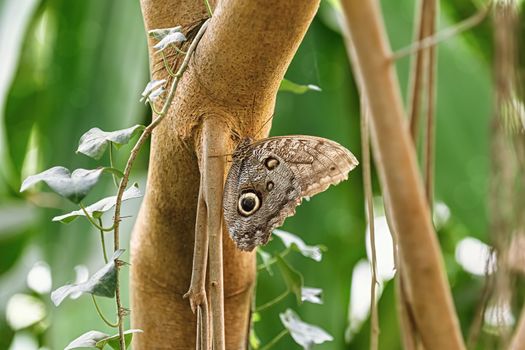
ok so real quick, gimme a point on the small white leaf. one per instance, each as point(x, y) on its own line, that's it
point(150, 87)
point(291, 240)
point(95, 141)
point(160, 34)
point(172, 38)
point(86, 340)
point(303, 333)
point(114, 340)
point(312, 295)
point(73, 186)
point(103, 283)
point(155, 94)
point(97, 209)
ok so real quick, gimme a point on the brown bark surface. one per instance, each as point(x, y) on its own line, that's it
point(234, 75)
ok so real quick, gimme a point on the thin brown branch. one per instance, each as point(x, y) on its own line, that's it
point(409, 334)
point(431, 12)
point(479, 318)
point(406, 322)
point(518, 340)
point(203, 340)
point(507, 189)
point(197, 290)
point(215, 140)
point(397, 168)
point(367, 184)
point(444, 34)
point(416, 74)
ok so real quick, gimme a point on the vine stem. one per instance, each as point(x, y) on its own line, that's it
point(103, 241)
point(112, 164)
point(99, 312)
point(273, 301)
point(273, 260)
point(134, 152)
point(92, 220)
point(208, 7)
point(275, 340)
point(167, 66)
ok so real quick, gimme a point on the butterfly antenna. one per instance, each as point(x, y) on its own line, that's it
point(262, 126)
point(221, 155)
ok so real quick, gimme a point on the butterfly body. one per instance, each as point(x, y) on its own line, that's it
point(269, 178)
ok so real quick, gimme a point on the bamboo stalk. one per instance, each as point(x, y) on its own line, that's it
point(396, 163)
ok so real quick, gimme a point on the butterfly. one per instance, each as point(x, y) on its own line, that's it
point(269, 178)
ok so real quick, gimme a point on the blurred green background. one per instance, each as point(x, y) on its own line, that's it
point(68, 66)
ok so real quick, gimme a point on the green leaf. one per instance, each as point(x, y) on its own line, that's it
point(113, 341)
point(312, 295)
point(291, 240)
point(292, 277)
point(95, 142)
point(97, 209)
point(303, 333)
point(73, 186)
point(103, 283)
point(87, 340)
point(287, 85)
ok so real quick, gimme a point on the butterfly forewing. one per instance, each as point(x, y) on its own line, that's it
point(317, 162)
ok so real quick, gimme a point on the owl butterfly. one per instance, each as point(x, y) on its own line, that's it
point(269, 178)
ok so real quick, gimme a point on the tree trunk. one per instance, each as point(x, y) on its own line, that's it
point(234, 76)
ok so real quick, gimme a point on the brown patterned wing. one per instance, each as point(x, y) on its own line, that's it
point(317, 162)
point(269, 178)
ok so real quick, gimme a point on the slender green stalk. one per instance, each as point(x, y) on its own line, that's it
point(275, 340)
point(103, 241)
point(99, 312)
point(273, 301)
point(166, 65)
point(272, 261)
point(92, 220)
point(180, 51)
point(153, 109)
point(112, 163)
point(208, 7)
point(129, 165)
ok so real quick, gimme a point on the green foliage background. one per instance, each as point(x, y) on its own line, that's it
point(68, 66)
